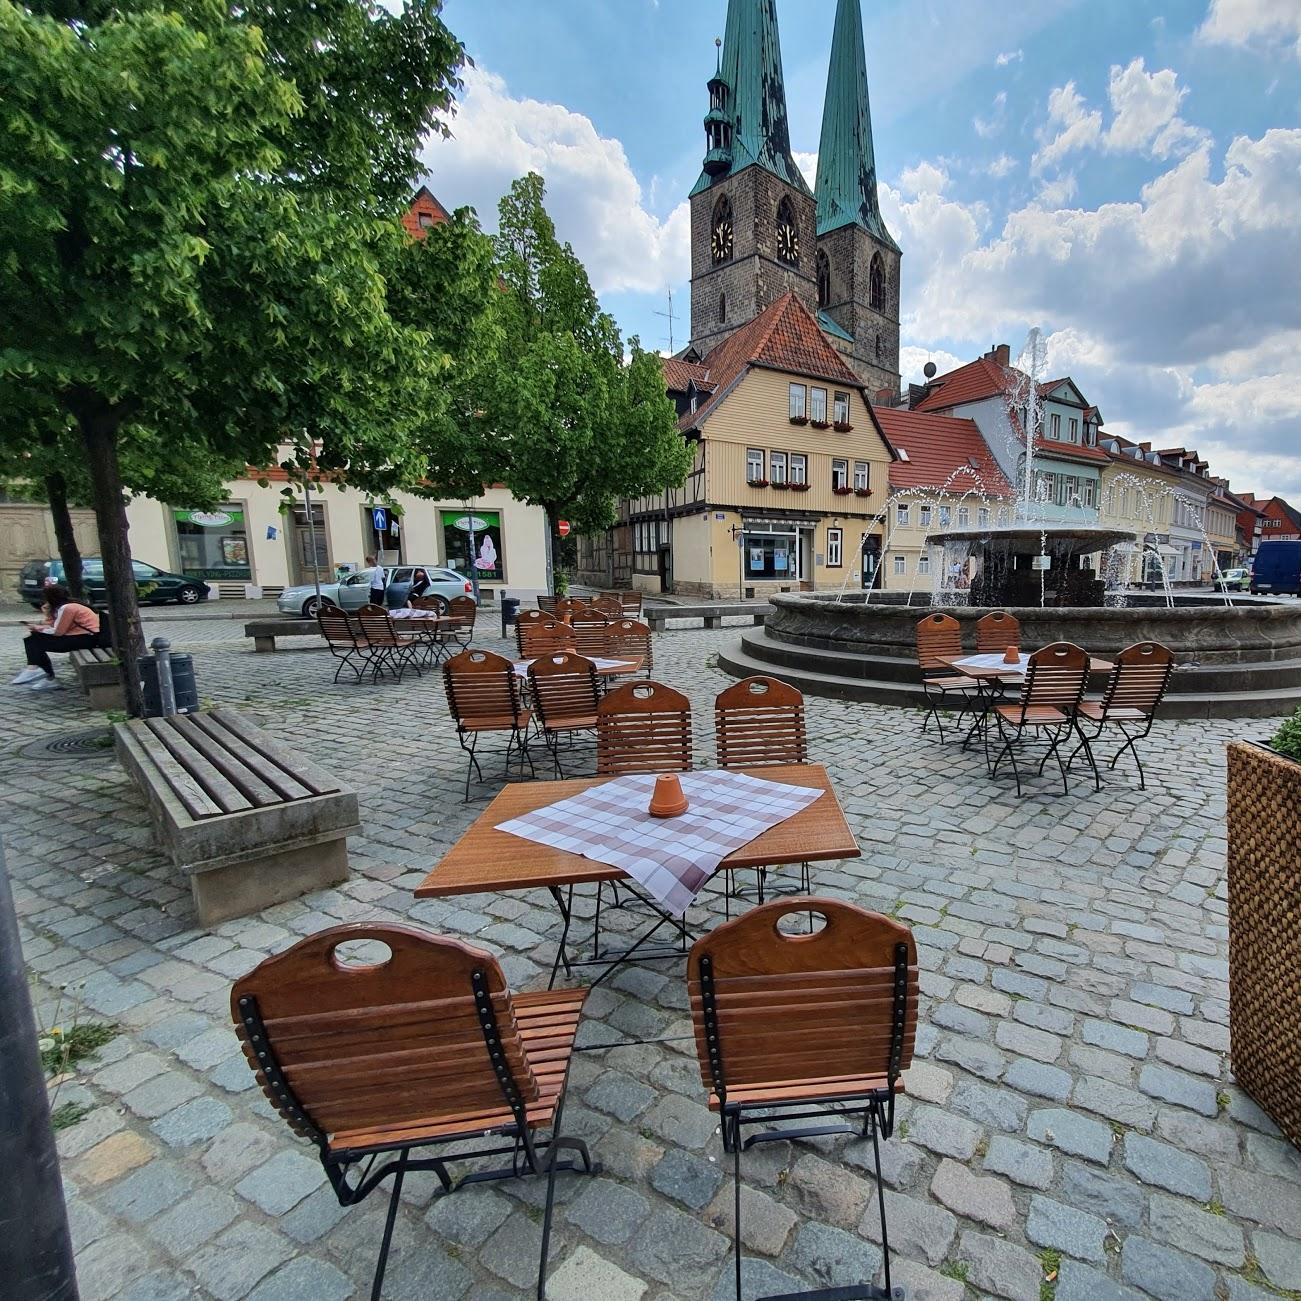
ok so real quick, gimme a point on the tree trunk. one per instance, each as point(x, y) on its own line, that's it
point(56, 490)
point(99, 424)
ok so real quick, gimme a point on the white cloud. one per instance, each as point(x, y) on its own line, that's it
point(987, 127)
point(1009, 56)
point(1250, 22)
point(1003, 165)
point(1060, 190)
point(808, 165)
point(1071, 125)
point(592, 194)
point(912, 358)
point(925, 178)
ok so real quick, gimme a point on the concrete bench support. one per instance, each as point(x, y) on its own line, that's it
point(100, 676)
point(265, 631)
point(250, 822)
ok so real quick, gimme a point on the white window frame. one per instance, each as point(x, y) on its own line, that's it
point(1087, 492)
point(924, 516)
point(839, 472)
point(964, 517)
point(777, 467)
point(924, 564)
point(798, 467)
point(1055, 427)
point(841, 409)
point(944, 516)
point(1073, 430)
point(862, 476)
point(982, 517)
point(817, 404)
point(900, 565)
point(756, 461)
point(902, 511)
point(1002, 515)
point(798, 401)
point(835, 548)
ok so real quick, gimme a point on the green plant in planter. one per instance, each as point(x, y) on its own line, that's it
point(1287, 740)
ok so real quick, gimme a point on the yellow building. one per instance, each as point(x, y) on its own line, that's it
point(790, 481)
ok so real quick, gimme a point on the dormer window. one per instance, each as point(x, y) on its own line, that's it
point(426, 220)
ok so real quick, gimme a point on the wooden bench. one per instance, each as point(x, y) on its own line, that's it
point(100, 674)
point(248, 820)
point(265, 631)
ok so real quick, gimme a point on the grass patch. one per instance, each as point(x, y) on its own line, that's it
point(1050, 1262)
point(1222, 1100)
point(62, 1049)
point(1215, 1207)
point(954, 1269)
point(67, 1115)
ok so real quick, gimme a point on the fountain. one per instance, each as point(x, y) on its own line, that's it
point(1064, 580)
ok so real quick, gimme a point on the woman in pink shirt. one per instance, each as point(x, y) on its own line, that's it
point(71, 626)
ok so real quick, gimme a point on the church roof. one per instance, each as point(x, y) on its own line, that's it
point(785, 337)
point(846, 181)
point(943, 451)
point(751, 69)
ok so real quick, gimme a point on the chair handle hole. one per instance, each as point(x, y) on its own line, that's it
point(800, 923)
point(360, 955)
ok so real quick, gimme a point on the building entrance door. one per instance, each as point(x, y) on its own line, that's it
point(310, 562)
point(871, 570)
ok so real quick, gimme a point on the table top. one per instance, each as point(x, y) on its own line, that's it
point(424, 616)
point(962, 664)
point(485, 859)
point(604, 668)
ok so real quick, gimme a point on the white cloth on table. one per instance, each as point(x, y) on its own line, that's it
point(995, 661)
point(522, 666)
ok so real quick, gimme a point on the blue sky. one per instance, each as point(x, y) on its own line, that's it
point(1127, 176)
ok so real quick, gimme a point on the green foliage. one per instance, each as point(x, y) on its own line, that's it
point(1287, 740)
point(68, 1114)
point(61, 1049)
point(1050, 1261)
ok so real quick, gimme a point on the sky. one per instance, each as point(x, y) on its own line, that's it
point(1124, 175)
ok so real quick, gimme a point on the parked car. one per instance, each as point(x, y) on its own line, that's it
point(154, 586)
point(353, 591)
point(1277, 568)
point(1233, 580)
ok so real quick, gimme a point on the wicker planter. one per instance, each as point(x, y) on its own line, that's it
point(1264, 816)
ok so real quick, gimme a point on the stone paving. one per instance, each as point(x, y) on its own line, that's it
point(1070, 1110)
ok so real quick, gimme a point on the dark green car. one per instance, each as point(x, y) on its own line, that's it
point(153, 586)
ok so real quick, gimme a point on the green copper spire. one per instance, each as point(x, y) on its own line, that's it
point(754, 97)
point(846, 186)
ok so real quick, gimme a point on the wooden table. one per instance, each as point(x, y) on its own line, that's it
point(613, 667)
point(487, 860)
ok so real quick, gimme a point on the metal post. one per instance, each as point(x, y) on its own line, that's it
point(35, 1247)
point(473, 572)
point(311, 533)
point(162, 650)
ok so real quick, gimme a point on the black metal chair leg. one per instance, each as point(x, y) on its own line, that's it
point(391, 1219)
point(880, 1201)
point(736, 1210)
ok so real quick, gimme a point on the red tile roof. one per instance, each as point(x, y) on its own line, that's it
point(783, 337)
point(1070, 451)
point(939, 448)
point(977, 380)
point(423, 204)
point(678, 374)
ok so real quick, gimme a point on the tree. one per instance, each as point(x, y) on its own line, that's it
point(195, 209)
point(573, 426)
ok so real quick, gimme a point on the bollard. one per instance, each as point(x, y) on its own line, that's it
point(162, 650)
point(509, 612)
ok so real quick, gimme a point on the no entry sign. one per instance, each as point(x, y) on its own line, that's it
point(562, 527)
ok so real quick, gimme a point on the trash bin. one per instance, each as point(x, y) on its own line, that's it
point(185, 689)
point(509, 612)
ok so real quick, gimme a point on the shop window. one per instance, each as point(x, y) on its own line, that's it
point(835, 548)
point(474, 544)
point(213, 544)
point(770, 555)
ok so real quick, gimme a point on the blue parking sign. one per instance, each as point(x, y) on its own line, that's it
point(380, 518)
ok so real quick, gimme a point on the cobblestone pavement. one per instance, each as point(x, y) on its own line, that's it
point(1070, 1103)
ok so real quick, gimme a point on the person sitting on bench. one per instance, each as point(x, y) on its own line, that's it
point(71, 626)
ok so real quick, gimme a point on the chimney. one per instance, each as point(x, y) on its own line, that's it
point(1000, 354)
point(885, 397)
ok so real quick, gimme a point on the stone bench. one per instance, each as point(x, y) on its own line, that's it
point(99, 672)
point(662, 618)
point(250, 822)
point(265, 631)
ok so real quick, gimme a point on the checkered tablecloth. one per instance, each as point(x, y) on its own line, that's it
point(671, 857)
point(415, 614)
point(522, 666)
point(995, 661)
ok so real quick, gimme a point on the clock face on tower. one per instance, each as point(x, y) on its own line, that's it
point(788, 241)
point(720, 243)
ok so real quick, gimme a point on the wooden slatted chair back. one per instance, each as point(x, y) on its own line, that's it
point(590, 628)
point(1139, 679)
point(631, 602)
point(438, 604)
point(643, 727)
point(482, 689)
point(393, 1041)
point(336, 627)
point(1056, 676)
point(631, 638)
point(548, 604)
point(375, 625)
point(568, 606)
point(609, 605)
point(563, 689)
point(759, 721)
point(805, 1012)
point(996, 631)
point(543, 638)
point(939, 638)
point(464, 609)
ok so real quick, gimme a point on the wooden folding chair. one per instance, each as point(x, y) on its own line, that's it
point(590, 632)
point(433, 602)
point(543, 637)
point(529, 617)
point(939, 639)
point(1134, 690)
point(564, 694)
point(570, 605)
point(996, 631)
point(631, 602)
point(547, 604)
point(465, 610)
point(643, 727)
point(483, 695)
point(630, 639)
point(609, 605)
point(1054, 684)
point(796, 1027)
point(419, 1046)
point(760, 721)
point(391, 648)
point(344, 639)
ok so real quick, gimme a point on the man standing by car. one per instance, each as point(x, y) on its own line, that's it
point(378, 581)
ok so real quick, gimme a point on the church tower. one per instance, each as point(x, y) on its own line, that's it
point(752, 213)
point(856, 262)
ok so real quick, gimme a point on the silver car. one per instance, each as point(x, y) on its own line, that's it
point(353, 591)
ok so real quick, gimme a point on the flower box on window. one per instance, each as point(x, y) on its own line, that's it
point(799, 487)
point(757, 483)
point(843, 490)
point(799, 420)
point(820, 424)
point(862, 492)
point(781, 484)
point(843, 427)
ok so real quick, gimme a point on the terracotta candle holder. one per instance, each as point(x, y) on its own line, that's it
point(1011, 655)
point(668, 799)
